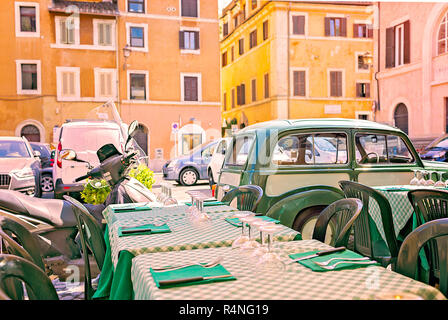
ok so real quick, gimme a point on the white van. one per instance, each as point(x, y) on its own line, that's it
point(85, 137)
point(218, 156)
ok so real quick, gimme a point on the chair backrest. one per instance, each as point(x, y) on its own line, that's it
point(248, 197)
point(366, 232)
point(407, 262)
point(26, 246)
point(429, 204)
point(39, 286)
point(344, 213)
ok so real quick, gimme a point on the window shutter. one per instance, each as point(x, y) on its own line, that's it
point(355, 30)
point(266, 85)
point(301, 24)
point(390, 47)
point(196, 40)
point(64, 83)
point(295, 24)
point(101, 34)
point(243, 94)
point(63, 32)
point(254, 90)
point(108, 32)
point(339, 83)
point(343, 27)
point(233, 98)
point(369, 31)
point(301, 83)
point(367, 90)
point(72, 83)
point(238, 95)
point(265, 30)
point(71, 35)
point(181, 40)
point(224, 100)
point(359, 90)
point(296, 83)
point(327, 27)
point(407, 40)
point(102, 84)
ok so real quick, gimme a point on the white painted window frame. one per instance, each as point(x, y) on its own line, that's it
point(329, 83)
point(298, 13)
point(364, 81)
point(445, 16)
point(399, 37)
point(19, 76)
point(369, 114)
point(146, 73)
point(307, 81)
point(77, 72)
point(57, 20)
point(182, 86)
point(97, 73)
point(191, 51)
point(199, 11)
point(145, 36)
point(20, 33)
point(97, 22)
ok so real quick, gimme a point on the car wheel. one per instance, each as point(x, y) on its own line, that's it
point(188, 177)
point(306, 220)
point(46, 183)
point(211, 181)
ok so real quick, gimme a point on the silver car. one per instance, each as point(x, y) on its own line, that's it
point(19, 166)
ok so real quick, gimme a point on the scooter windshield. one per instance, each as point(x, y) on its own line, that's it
point(107, 112)
point(107, 151)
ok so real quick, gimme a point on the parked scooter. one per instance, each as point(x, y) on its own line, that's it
point(53, 220)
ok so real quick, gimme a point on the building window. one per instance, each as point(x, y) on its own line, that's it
point(299, 83)
point(225, 29)
point(254, 90)
point(363, 90)
point(189, 40)
point(233, 98)
point(68, 83)
point(224, 59)
point(241, 94)
point(28, 76)
point(189, 8)
point(266, 85)
point(442, 38)
point(235, 21)
point(254, 4)
point(265, 30)
point(398, 47)
point(336, 84)
point(224, 101)
point(241, 46)
point(138, 86)
point(362, 30)
point(232, 53)
point(335, 27)
point(105, 80)
point(298, 25)
point(137, 37)
point(363, 116)
point(27, 19)
point(253, 39)
point(361, 66)
point(104, 33)
point(136, 6)
point(67, 30)
point(191, 87)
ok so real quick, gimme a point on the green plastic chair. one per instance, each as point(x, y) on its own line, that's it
point(39, 286)
point(429, 204)
point(368, 240)
point(248, 197)
point(92, 240)
point(342, 214)
point(407, 262)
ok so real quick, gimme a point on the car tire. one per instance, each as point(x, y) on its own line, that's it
point(188, 177)
point(211, 181)
point(305, 221)
point(46, 183)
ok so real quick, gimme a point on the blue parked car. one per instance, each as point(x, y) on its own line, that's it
point(436, 150)
point(190, 168)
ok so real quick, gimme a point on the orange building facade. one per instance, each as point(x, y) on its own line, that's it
point(157, 60)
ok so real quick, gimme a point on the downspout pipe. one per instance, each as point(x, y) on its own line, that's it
point(288, 64)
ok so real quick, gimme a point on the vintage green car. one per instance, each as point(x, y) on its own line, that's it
point(298, 164)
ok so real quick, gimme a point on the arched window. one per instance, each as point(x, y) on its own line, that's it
point(30, 132)
point(442, 37)
point(401, 117)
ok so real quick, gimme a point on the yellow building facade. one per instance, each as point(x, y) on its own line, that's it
point(158, 60)
point(291, 59)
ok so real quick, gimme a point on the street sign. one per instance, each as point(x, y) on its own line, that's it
point(174, 127)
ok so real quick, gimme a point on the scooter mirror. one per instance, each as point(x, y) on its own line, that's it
point(132, 128)
point(68, 154)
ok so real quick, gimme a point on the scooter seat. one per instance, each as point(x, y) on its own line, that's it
point(58, 213)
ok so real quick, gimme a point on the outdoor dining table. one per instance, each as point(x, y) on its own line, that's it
point(295, 282)
point(115, 279)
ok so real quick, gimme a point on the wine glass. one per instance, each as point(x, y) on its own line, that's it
point(414, 180)
point(422, 180)
point(262, 249)
point(238, 242)
point(251, 243)
point(430, 182)
point(440, 183)
point(270, 261)
point(169, 200)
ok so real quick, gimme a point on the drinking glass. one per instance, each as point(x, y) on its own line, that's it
point(440, 183)
point(251, 243)
point(430, 182)
point(238, 242)
point(422, 180)
point(262, 249)
point(414, 180)
point(270, 261)
point(169, 200)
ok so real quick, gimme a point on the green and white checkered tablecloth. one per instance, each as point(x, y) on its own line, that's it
point(184, 235)
point(295, 283)
point(402, 209)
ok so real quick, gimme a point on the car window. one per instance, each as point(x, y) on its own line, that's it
point(378, 148)
point(207, 152)
point(42, 149)
point(442, 144)
point(221, 148)
point(239, 151)
point(311, 149)
point(13, 149)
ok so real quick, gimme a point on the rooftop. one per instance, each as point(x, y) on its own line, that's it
point(108, 8)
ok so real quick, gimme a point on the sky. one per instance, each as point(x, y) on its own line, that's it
point(223, 3)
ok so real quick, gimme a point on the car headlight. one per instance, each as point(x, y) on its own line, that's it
point(24, 173)
point(172, 163)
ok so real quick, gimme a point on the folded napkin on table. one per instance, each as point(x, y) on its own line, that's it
point(236, 221)
point(190, 272)
point(132, 208)
point(210, 203)
point(309, 263)
point(154, 229)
